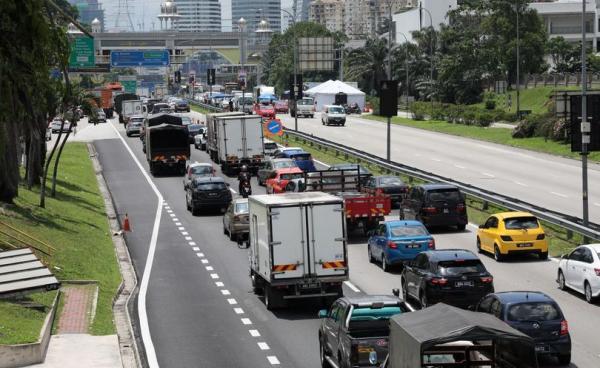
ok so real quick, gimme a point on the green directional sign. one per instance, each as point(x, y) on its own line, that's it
point(129, 83)
point(82, 53)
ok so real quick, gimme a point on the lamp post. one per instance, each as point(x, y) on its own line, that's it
point(242, 26)
point(406, 67)
point(430, 51)
point(295, 71)
point(518, 76)
point(585, 125)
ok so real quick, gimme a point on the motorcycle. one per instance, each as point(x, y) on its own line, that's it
point(245, 189)
point(353, 109)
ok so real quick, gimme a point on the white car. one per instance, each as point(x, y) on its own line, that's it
point(195, 170)
point(270, 147)
point(57, 123)
point(333, 114)
point(200, 141)
point(580, 271)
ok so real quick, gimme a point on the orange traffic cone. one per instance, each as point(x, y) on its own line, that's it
point(126, 226)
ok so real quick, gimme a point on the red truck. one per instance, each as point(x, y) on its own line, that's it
point(107, 95)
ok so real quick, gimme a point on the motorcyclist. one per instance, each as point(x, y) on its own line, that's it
point(244, 176)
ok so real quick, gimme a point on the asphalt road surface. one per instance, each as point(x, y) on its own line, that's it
point(548, 181)
point(200, 305)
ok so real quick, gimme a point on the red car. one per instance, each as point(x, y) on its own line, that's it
point(279, 179)
point(282, 106)
point(265, 110)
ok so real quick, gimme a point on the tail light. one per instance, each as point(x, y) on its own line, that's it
point(392, 245)
point(438, 281)
point(430, 210)
point(487, 279)
point(541, 237)
point(505, 238)
point(431, 244)
point(564, 327)
point(597, 270)
point(378, 191)
point(460, 208)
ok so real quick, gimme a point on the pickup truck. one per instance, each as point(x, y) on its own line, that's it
point(306, 107)
point(354, 332)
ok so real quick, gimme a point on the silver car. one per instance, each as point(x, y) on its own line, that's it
point(196, 170)
point(56, 126)
point(235, 220)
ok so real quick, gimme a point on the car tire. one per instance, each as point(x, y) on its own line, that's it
point(479, 250)
point(461, 227)
point(195, 211)
point(423, 300)
point(564, 359)
point(404, 289)
point(499, 257)
point(384, 264)
point(543, 256)
point(587, 291)
point(371, 259)
point(322, 356)
point(562, 285)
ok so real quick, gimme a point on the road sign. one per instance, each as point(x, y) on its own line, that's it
point(129, 83)
point(210, 77)
point(274, 127)
point(139, 58)
point(82, 53)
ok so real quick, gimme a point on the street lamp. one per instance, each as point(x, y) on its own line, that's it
point(518, 77)
point(242, 26)
point(295, 70)
point(430, 51)
point(585, 125)
point(406, 67)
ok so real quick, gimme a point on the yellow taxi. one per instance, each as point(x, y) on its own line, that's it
point(510, 233)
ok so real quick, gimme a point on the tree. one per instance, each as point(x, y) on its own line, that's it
point(564, 54)
point(367, 65)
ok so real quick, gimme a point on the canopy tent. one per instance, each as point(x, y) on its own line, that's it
point(324, 94)
point(411, 334)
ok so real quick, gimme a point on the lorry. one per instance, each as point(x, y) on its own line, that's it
point(355, 330)
point(166, 143)
point(305, 107)
point(106, 94)
point(129, 109)
point(118, 104)
point(262, 90)
point(235, 140)
point(297, 247)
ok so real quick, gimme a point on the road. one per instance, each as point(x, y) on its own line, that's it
point(200, 305)
point(548, 181)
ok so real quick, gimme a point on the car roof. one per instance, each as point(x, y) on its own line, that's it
point(450, 254)
point(367, 300)
point(136, 117)
point(209, 179)
point(404, 223)
point(434, 186)
point(595, 247)
point(340, 106)
point(512, 214)
point(507, 297)
point(289, 170)
point(240, 200)
point(199, 164)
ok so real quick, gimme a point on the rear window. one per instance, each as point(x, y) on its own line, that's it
point(305, 102)
point(336, 110)
point(136, 120)
point(284, 165)
point(201, 170)
point(533, 312)
point(241, 207)
point(408, 230)
point(193, 128)
point(516, 223)
point(301, 156)
point(391, 181)
point(292, 176)
point(374, 314)
point(454, 268)
point(211, 186)
point(445, 195)
point(272, 145)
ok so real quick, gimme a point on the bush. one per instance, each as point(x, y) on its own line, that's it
point(490, 104)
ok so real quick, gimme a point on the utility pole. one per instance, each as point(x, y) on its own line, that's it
point(293, 93)
point(389, 73)
point(519, 62)
point(242, 25)
point(585, 125)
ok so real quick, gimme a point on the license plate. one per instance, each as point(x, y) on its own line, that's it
point(413, 246)
point(309, 286)
point(525, 245)
point(541, 348)
point(464, 284)
point(212, 194)
point(446, 210)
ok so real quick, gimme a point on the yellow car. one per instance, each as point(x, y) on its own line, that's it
point(510, 233)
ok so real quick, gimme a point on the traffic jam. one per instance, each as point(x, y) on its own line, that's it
point(445, 311)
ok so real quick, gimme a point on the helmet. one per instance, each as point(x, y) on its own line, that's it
point(244, 168)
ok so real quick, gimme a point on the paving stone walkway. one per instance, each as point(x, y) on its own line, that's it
point(78, 309)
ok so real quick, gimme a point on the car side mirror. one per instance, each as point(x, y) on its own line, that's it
point(396, 292)
point(323, 313)
point(482, 226)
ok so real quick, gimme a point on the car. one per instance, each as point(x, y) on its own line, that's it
point(306, 107)
point(56, 125)
point(353, 169)
point(395, 242)
point(244, 104)
point(235, 219)
point(133, 127)
point(436, 204)
point(100, 116)
point(185, 120)
point(281, 106)
point(536, 315)
point(196, 170)
point(391, 186)
point(279, 179)
point(181, 105)
point(265, 110)
point(303, 159)
point(161, 107)
point(512, 233)
point(452, 276)
point(269, 147)
point(271, 165)
point(580, 270)
point(200, 141)
point(207, 192)
point(333, 114)
point(193, 130)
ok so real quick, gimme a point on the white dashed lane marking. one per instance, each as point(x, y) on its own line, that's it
point(195, 249)
point(352, 286)
point(219, 284)
point(232, 301)
point(185, 233)
point(459, 166)
point(273, 360)
point(246, 321)
point(205, 261)
point(214, 276)
point(238, 310)
point(192, 243)
point(225, 292)
point(181, 228)
point(263, 346)
point(188, 238)
point(488, 175)
point(210, 268)
point(254, 333)
point(560, 195)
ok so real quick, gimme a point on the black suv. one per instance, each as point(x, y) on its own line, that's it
point(452, 276)
point(207, 192)
point(436, 205)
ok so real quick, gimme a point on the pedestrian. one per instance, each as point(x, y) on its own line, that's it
point(74, 124)
point(231, 105)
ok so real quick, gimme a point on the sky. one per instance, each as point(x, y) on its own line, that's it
point(144, 12)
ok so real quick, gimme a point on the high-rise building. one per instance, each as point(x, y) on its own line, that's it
point(302, 9)
point(329, 13)
point(360, 18)
point(88, 11)
point(198, 15)
point(253, 11)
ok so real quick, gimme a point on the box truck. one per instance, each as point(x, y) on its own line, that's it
point(129, 109)
point(297, 247)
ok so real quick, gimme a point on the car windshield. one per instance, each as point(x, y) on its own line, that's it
point(525, 222)
point(201, 170)
point(241, 207)
point(540, 311)
point(271, 145)
point(460, 267)
point(292, 176)
point(284, 164)
point(416, 230)
point(391, 181)
point(137, 120)
point(211, 186)
point(445, 195)
point(305, 102)
point(336, 110)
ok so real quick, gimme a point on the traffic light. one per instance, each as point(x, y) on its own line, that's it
point(210, 77)
point(388, 98)
point(177, 76)
point(299, 93)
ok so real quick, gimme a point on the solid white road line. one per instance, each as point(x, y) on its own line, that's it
point(143, 315)
point(273, 360)
point(351, 286)
point(254, 333)
point(488, 174)
point(459, 166)
point(521, 184)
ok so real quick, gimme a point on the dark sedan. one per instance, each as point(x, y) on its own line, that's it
point(194, 129)
point(206, 193)
point(535, 314)
point(181, 105)
point(392, 186)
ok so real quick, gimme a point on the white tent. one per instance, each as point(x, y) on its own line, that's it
point(324, 94)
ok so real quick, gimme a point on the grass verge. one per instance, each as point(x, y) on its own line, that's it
point(20, 321)
point(560, 240)
point(75, 223)
point(495, 135)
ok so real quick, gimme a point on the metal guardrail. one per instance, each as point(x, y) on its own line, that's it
point(571, 223)
point(205, 106)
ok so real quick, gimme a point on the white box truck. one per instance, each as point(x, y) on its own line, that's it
point(130, 108)
point(297, 247)
point(235, 140)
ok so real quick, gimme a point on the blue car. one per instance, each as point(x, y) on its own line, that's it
point(303, 159)
point(395, 242)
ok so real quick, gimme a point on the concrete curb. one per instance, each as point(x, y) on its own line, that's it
point(130, 357)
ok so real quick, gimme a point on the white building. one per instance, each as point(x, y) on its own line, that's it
point(424, 14)
point(329, 13)
point(199, 16)
point(563, 18)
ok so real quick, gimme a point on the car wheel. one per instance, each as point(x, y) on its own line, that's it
point(322, 356)
point(195, 211)
point(423, 300)
point(564, 359)
point(461, 227)
point(371, 259)
point(404, 289)
point(562, 285)
point(479, 250)
point(497, 255)
point(588, 292)
point(543, 256)
point(384, 264)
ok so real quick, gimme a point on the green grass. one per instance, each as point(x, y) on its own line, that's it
point(75, 223)
point(20, 324)
point(200, 109)
point(233, 55)
point(495, 135)
point(560, 240)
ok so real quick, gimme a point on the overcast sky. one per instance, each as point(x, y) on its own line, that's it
point(144, 12)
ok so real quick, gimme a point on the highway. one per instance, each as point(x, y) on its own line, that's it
point(200, 305)
point(545, 180)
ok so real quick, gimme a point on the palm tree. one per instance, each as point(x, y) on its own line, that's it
point(367, 64)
